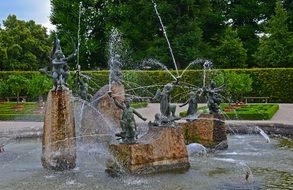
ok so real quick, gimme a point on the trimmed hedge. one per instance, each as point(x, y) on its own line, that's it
point(203, 109)
point(274, 83)
point(254, 112)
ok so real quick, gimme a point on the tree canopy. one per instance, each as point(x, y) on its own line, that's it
point(195, 29)
point(23, 45)
point(276, 45)
point(226, 32)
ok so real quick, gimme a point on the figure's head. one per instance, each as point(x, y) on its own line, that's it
point(127, 102)
point(157, 116)
point(192, 94)
point(168, 87)
point(59, 54)
point(213, 84)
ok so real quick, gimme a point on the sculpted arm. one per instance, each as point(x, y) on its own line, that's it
point(118, 104)
point(139, 115)
point(184, 103)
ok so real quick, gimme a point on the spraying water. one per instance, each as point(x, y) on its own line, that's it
point(195, 62)
point(263, 134)
point(156, 62)
point(165, 34)
point(78, 36)
point(207, 64)
point(114, 62)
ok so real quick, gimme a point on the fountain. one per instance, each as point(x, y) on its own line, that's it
point(84, 138)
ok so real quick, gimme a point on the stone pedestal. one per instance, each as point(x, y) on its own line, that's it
point(209, 130)
point(59, 146)
point(104, 103)
point(161, 149)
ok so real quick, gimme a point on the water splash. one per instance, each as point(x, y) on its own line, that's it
point(247, 171)
point(207, 65)
point(115, 62)
point(154, 62)
point(195, 62)
point(263, 134)
point(105, 126)
point(165, 34)
point(196, 149)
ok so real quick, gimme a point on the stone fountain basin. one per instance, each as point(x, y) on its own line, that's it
point(270, 164)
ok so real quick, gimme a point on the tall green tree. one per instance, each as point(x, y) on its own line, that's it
point(247, 17)
point(17, 84)
point(139, 25)
point(230, 53)
point(3, 89)
point(38, 86)
point(276, 46)
point(23, 45)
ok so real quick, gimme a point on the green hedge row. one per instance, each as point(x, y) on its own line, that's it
point(277, 84)
point(139, 105)
point(254, 112)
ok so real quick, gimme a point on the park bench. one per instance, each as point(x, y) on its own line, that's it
point(264, 99)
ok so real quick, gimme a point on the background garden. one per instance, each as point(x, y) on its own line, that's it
point(249, 42)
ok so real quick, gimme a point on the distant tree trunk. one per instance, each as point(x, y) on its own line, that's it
point(41, 100)
point(17, 94)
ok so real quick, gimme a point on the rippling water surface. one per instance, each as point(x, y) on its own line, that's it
point(248, 163)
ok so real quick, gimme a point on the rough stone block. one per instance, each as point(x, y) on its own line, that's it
point(59, 146)
point(161, 149)
point(209, 130)
point(104, 103)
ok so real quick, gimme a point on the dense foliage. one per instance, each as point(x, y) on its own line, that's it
point(23, 45)
point(275, 49)
point(273, 83)
point(232, 34)
point(227, 32)
point(235, 84)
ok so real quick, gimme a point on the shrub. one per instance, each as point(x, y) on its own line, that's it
point(235, 85)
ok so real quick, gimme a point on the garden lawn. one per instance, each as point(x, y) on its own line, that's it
point(19, 112)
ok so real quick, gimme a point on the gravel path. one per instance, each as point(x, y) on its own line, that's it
point(284, 115)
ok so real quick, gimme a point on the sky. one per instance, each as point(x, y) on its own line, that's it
point(37, 10)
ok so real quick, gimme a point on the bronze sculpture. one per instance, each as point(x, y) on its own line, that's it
point(127, 121)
